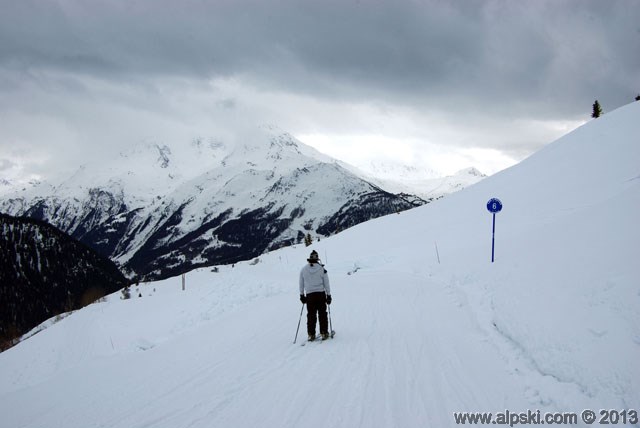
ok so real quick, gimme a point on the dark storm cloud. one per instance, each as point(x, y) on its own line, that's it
point(414, 51)
point(97, 71)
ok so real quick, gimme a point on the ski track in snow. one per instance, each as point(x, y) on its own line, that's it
point(409, 348)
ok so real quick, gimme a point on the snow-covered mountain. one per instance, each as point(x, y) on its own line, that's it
point(427, 184)
point(430, 189)
point(157, 210)
point(427, 327)
point(395, 170)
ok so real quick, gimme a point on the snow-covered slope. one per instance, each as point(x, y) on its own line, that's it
point(159, 211)
point(552, 326)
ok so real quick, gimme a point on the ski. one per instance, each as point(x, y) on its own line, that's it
point(319, 339)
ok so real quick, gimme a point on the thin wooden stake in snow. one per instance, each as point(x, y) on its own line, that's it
point(182, 281)
point(437, 253)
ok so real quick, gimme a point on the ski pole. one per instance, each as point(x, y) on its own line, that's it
point(300, 319)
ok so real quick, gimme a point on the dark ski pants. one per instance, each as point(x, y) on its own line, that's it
point(317, 308)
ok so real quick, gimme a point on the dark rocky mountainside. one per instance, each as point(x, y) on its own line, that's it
point(44, 272)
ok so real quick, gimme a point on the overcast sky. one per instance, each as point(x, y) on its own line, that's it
point(436, 84)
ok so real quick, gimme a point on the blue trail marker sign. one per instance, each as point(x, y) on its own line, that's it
point(494, 206)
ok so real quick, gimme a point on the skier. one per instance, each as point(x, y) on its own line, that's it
point(314, 281)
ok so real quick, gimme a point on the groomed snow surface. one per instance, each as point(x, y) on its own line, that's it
point(553, 325)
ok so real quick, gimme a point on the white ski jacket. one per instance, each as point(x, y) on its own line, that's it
point(313, 279)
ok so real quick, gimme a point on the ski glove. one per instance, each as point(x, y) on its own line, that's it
point(303, 299)
point(329, 299)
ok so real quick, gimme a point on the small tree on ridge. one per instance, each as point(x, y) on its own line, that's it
point(597, 110)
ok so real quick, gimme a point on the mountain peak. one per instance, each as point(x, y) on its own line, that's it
point(471, 171)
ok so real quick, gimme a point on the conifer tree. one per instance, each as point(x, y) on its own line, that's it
point(308, 239)
point(638, 97)
point(597, 110)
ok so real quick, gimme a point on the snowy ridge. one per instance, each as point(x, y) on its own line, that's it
point(430, 189)
point(425, 184)
point(552, 325)
point(391, 170)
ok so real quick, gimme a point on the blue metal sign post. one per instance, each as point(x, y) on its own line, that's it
point(494, 206)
